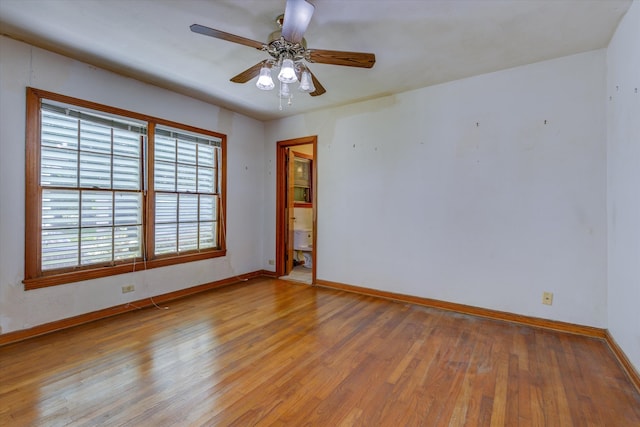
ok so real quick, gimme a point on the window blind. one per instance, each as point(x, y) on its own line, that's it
point(91, 181)
point(187, 185)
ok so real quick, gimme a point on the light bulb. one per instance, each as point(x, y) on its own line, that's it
point(306, 83)
point(287, 73)
point(265, 82)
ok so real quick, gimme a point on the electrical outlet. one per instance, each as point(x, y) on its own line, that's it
point(272, 262)
point(128, 288)
point(547, 298)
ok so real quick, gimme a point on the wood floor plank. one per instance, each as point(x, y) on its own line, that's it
point(272, 353)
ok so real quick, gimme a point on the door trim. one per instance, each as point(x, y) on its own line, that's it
point(281, 191)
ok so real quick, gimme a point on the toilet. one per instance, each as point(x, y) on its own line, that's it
point(303, 242)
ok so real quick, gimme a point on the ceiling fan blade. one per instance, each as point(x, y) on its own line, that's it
point(297, 15)
point(248, 74)
point(319, 88)
point(201, 29)
point(337, 57)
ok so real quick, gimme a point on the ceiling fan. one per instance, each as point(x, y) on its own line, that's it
point(288, 50)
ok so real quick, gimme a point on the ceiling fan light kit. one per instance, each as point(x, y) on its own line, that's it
point(265, 82)
point(287, 72)
point(306, 83)
point(288, 50)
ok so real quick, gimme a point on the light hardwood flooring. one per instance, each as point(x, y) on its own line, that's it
point(271, 352)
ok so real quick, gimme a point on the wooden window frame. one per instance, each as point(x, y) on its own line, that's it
point(34, 277)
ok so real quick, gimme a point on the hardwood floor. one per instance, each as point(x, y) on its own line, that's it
point(270, 352)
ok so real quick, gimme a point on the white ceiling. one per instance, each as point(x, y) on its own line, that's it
point(417, 43)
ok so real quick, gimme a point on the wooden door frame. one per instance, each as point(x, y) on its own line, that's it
point(281, 191)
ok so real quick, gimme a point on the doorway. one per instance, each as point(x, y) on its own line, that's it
point(296, 205)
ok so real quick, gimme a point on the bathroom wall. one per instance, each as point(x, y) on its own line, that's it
point(303, 218)
point(304, 149)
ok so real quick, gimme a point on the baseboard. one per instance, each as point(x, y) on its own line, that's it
point(476, 311)
point(268, 273)
point(632, 373)
point(23, 334)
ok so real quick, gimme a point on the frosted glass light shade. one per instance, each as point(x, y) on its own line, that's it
point(287, 72)
point(306, 83)
point(284, 91)
point(265, 82)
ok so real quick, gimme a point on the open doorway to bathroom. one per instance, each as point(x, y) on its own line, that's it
point(296, 202)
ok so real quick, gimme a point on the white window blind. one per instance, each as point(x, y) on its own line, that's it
point(91, 184)
point(187, 188)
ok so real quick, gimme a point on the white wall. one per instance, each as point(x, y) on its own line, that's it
point(22, 65)
point(461, 192)
point(623, 183)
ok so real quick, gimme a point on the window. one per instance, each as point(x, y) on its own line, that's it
point(187, 192)
point(111, 191)
point(91, 186)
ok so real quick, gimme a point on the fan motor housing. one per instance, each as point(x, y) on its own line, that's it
point(277, 46)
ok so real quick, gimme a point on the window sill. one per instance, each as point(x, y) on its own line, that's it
point(96, 273)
